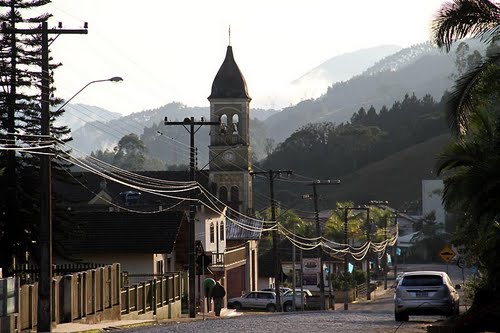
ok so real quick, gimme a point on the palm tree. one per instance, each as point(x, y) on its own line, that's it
point(461, 19)
point(471, 169)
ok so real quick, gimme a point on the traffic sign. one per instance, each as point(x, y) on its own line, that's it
point(447, 253)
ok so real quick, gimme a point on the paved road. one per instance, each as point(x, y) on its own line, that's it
point(374, 316)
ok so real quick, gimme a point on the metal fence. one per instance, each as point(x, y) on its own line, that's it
point(29, 274)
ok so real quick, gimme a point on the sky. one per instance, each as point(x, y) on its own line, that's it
point(168, 51)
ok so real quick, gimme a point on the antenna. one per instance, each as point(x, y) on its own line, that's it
point(229, 32)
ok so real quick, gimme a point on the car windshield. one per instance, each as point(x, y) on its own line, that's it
point(422, 280)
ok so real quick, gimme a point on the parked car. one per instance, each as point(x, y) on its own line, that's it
point(307, 292)
point(287, 299)
point(282, 290)
point(254, 300)
point(425, 293)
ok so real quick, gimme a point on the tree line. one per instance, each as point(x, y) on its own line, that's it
point(320, 150)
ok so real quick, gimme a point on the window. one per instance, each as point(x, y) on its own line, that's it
point(159, 267)
point(223, 124)
point(212, 233)
point(235, 122)
point(235, 194)
point(223, 194)
point(422, 280)
point(221, 230)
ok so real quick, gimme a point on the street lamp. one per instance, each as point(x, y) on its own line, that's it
point(112, 79)
point(45, 247)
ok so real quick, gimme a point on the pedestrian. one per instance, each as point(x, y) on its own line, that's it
point(218, 293)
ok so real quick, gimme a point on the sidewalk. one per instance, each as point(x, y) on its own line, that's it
point(381, 301)
point(111, 325)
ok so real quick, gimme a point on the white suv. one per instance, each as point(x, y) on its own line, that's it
point(425, 293)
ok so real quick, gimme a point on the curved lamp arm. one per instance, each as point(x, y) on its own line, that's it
point(113, 79)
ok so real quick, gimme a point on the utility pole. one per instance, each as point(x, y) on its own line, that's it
point(385, 254)
point(318, 234)
point(277, 269)
point(44, 322)
point(346, 262)
point(395, 248)
point(368, 239)
point(189, 124)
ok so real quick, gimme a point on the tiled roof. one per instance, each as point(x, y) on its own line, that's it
point(86, 185)
point(236, 231)
point(113, 232)
point(229, 82)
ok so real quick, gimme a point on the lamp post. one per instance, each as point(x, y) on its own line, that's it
point(112, 79)
point(45, 282)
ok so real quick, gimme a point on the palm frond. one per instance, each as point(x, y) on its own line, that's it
point(464, 18)
point(459, 104)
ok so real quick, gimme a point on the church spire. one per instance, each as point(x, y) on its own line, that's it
point(229, 82)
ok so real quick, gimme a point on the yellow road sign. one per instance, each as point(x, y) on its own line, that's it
point(447, 253)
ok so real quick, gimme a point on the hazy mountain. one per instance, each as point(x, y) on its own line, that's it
point(339, 68)
point(101, 133)
point(77, 115)
point(421, 69)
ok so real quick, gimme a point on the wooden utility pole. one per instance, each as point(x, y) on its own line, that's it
point(346, 262)
point(318, 234)
point(368, 239)
point(277, 269)
point(44, 311)
point(189, 124)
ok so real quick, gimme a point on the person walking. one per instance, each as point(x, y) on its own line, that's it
point(218, 293)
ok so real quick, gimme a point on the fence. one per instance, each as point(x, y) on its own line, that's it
point(29, 274)
point(92, 296)
point(160, 292)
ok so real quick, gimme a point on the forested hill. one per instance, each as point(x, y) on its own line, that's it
point(421, 69)
point(383, 140)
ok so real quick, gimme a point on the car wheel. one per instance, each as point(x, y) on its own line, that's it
point(288, 307)
point(237, 306)
point(401, 316)
point(271, 308)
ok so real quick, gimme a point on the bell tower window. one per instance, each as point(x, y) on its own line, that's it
point(223, 124)
point(235, 123)
point(223, 194)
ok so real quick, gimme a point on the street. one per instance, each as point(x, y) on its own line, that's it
point(376, 316)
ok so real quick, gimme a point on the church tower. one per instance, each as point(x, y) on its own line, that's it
point(229, 150)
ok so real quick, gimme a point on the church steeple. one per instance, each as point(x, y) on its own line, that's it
point(229, 150)
point(229, 81)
